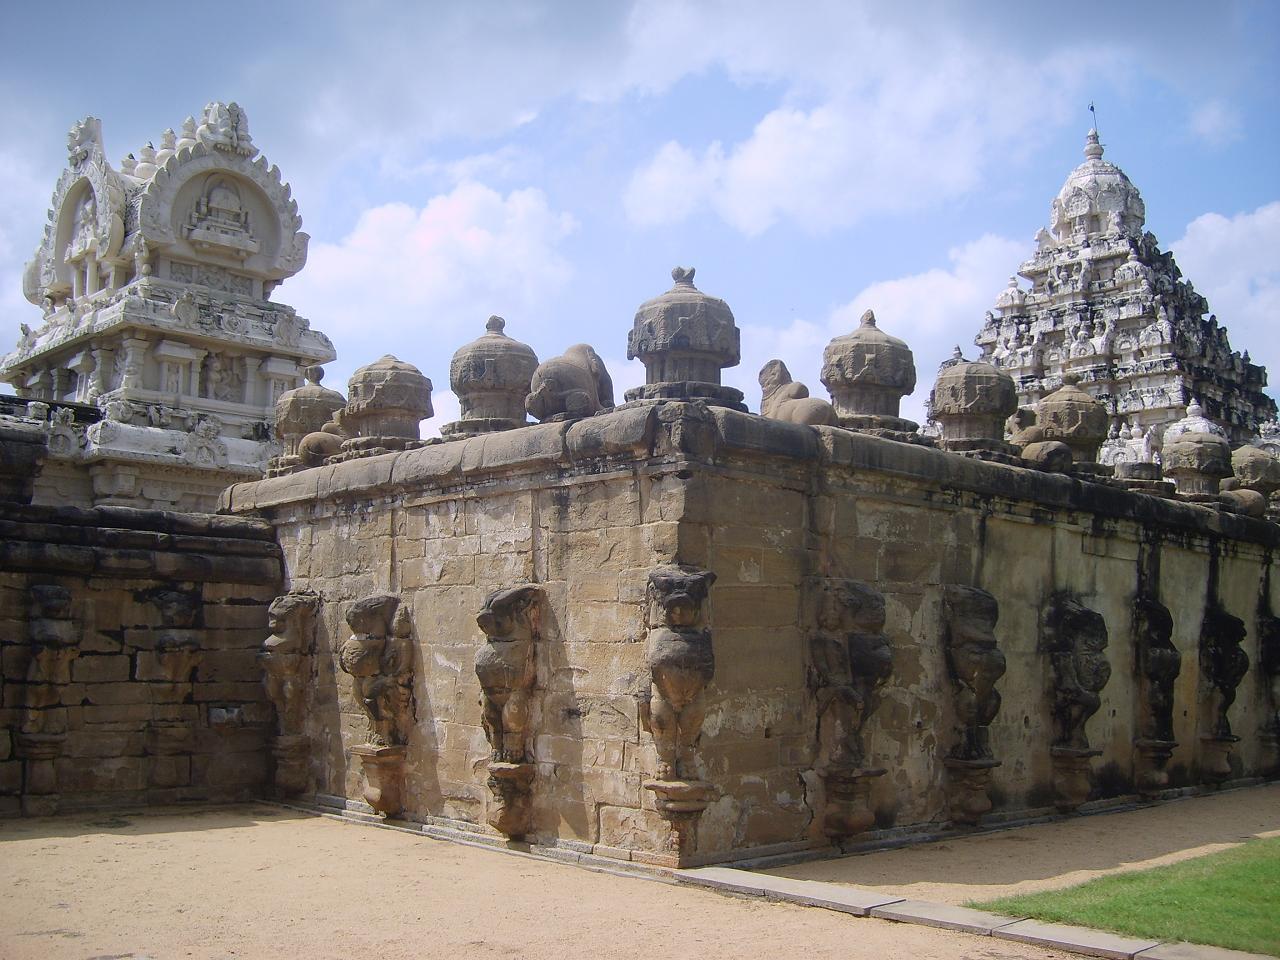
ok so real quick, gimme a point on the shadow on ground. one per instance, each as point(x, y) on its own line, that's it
point(144, 822)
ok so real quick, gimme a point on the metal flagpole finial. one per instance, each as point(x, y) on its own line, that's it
point(1095, 115)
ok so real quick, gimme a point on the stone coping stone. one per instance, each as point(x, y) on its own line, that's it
point(634, 433)
point(809, 893)
point(1195, 951)
point(943, 915)
point(1097, 943)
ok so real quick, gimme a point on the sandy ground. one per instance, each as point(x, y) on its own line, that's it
point(1052, 855)
point(259, 882)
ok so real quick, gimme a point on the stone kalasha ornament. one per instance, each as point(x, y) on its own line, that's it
point(506, 666)
point(784, 399)
point(1158, 665)
point(54, 642)
point(1106, 302)
point(970, 402)
point(1196, 456)
point(155, 281)
point(285, 660)
point(1071, 416)
point(386, 401)
point(1257, 478)
point(868, 373)
point(681, 663)
point(975, 664)
point(851, 660)
point(299, 412)
point(685, 338)
point(1223, 665)
point(379, 658)
point(570, 386)
point(490, 377)
point(1049, 456)
point(1076, 640)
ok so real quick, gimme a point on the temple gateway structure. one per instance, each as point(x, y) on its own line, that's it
point(160, 356)
point(1106, 305)
point(666, 631)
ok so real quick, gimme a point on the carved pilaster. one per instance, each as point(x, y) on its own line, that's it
point(1075, 638)
point(54, 643)
point(506, 666)
point(1158, 664)
point(379, 658)
point(285, 659)
point(850, 661)
point(1223, 665)
point(975, 664)
point(681, 663)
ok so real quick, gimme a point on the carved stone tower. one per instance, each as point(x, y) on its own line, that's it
point(154, 282)
point(1107, 304)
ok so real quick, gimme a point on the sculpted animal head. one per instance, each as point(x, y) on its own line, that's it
point(503, 608)
point(773, 375)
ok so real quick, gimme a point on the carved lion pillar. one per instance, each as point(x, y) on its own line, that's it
point(1158, 665)
point(285, 659)
point(54, 640)
point(681, 663)
point(506, 666)
point(1075, 638)
point(1223, 665)
point(975, 664)
point(851, 660)
point(379, 658)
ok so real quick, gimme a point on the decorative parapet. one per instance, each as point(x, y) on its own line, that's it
point(506, 665)
point(850, 662)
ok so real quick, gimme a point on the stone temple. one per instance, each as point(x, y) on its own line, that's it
point(160, 355)
point(665, 631)
point(1106, 305)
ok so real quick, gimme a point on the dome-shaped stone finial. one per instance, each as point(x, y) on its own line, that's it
point(387, 399)
point(1011, 299)
point(1069, 415)
point(1092, 148)
point(868, 372)
point(970, 402)
point(302, 411)
point(490, 377)
point(1194, 422)
point(685, 338)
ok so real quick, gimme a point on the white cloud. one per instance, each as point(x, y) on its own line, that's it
point(420, 282)
point(932, 311)
point(1216, 122)
point(23, 202)
point(1232, 261)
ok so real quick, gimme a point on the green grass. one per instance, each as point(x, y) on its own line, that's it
point(1229, 899)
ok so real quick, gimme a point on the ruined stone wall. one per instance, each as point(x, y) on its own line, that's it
point(820, 540)
point(129, 642)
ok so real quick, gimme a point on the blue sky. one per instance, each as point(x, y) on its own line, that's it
point(550, 162)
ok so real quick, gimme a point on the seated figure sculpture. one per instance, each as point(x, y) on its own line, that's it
point(784, 399)
point(573, 385)
point(506, 669)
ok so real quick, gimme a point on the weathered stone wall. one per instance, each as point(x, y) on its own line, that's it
point(587, 510)
point(129, 642)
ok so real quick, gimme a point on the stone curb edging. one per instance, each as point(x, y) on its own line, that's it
point(860, 902)
point(842, 898)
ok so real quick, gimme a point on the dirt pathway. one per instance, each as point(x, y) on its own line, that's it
point(1060, 854)
point(259, 882)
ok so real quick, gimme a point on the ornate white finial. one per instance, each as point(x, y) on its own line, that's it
point(495, 324)
point(188, 138)
point(956, 354)
point(1092, 148)
point(1194, 409)
point(146, 166)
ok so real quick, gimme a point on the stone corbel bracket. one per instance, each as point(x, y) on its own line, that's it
point(975, 663)
point(681, 662)
point(850, 662)
point(1158, 664)
point(506, 666)
point(1223, 665)
point(285, 659)
point(378, 656)
point(1075, 639)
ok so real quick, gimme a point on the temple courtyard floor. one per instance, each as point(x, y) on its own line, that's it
point(259, 881)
